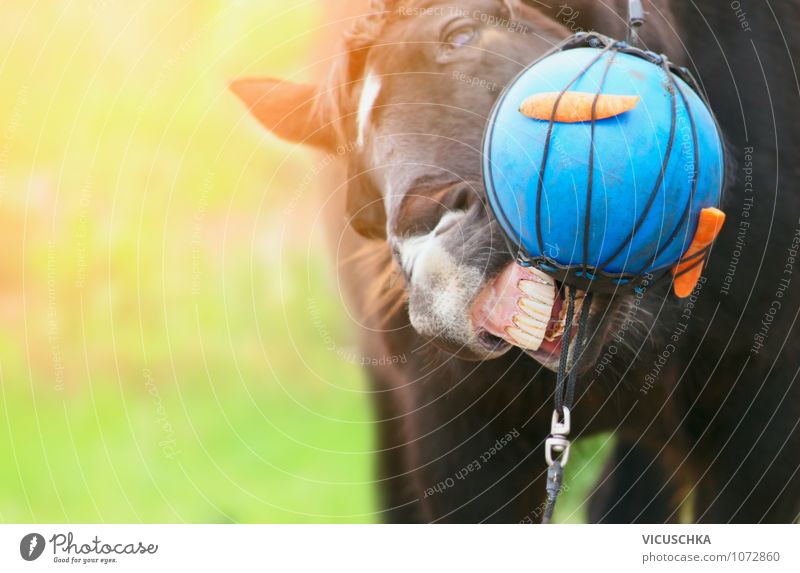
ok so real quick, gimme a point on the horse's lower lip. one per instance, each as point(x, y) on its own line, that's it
point(548, 353)
point(492, 343)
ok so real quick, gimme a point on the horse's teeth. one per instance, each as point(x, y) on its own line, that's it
point(538, 291)
point(555, 334)
point(529, 341)
point(529, 324)
point(537, 310)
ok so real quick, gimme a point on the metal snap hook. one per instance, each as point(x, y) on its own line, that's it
point(556, 445)
point(558, 428)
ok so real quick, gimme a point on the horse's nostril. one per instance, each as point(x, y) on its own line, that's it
point(424, 210)
point(461, 198)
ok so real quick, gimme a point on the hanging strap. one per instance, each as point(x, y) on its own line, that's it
point(556, 446)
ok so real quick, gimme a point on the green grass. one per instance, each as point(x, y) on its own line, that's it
point(157, 358)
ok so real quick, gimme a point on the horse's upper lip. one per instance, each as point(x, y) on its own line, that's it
point(523, 307)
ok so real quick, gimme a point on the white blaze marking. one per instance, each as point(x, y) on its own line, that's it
point(448, 285)
point(369, 94)
point(412, 247)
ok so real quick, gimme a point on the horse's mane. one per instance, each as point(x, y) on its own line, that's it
point(335, 99)
point(386, 295)
point(366, 29)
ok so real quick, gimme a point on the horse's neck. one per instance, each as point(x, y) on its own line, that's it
point(743, 60)
point(744, 63)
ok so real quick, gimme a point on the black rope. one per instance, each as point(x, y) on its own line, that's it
point(567, 375)
point(580, 39)
point(695, 177)
point(580, 346)
point(546, 150)
point(590, 183)
point(699, 254)
point(564, 396)
point(606, 280)
point(701, 259)
point(673, 89)
point(563, 366)
point(654, 193)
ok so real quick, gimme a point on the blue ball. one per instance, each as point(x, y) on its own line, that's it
point(630, 150)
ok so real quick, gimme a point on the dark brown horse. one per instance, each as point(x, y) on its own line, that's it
point(701, 395)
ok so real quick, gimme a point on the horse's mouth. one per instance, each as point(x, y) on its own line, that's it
point(526, 308)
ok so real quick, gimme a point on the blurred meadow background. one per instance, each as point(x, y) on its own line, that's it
point(173, 343)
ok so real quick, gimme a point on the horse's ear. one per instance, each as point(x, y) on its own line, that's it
point(286, 109)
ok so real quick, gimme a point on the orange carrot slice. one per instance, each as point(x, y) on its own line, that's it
point(709, 226)
point(576, 106)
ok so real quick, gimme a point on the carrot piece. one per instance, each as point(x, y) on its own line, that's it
point(709, 226)
point(576, 106)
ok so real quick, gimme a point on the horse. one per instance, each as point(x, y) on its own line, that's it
point(700, 394)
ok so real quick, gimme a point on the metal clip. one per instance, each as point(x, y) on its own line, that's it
point(636, 14)
point(557, 445)
point(636, 18)
point(560, 428)
point(557, 442)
